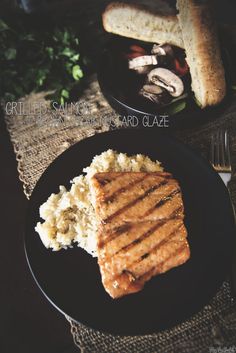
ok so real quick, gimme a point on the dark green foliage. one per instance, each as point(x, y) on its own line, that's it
point(33, 58)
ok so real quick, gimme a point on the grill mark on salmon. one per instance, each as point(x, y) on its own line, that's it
point(131, 283)
point(141, 232)
point(150, 272)
point(163, 242)
point(109, 182)
point(148, 233)
point(111, 198)
point(131, 265)
point(122, 199)
point(116, 180)
point(127, 226)
point(116, 233)
point(134, 202)
point(162, 202)
point(106, 181)
point(142, 237)
point(174, 236)
point(142, 267)
point(109, 251)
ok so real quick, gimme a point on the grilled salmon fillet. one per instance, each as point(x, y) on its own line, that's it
point(141, 230)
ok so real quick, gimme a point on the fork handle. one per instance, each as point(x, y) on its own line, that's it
point(233, 265)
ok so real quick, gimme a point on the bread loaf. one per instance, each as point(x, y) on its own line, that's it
point(192, 29)
point(202, 51)
point(157, 24)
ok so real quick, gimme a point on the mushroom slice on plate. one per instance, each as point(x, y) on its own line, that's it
point(155, 98)
point(142, 61)
point(168, 80)
point(153, 89)
point(164, 49)
point(142, 70)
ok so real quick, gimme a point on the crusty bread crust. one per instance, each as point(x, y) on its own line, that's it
point(143, 23)
point(158, 7)
point(202, 51)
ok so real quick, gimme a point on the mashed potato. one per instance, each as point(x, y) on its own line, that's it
point(69, 216)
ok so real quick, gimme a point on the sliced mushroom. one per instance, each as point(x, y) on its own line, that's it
point(164, 49)
point(158, 50)
point(155, 98)
point(142, 70)
point(153, 89)
point(142, 61)
point(168, 80)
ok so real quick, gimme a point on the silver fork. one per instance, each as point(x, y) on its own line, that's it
point(220, 155)
point(221, 162)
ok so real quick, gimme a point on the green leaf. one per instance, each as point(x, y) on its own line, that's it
point(65, 93)
point(62, 100)
point(77, 73)
point(68, 52)
point(68, 66)
point(176, 107)
point(10, 54)
point(32, 59)
point(49, 51)
point(180, 98)
point(41, 76)
point(233, 87)
point(66, 37)
point(3, 26)
point(75, 57)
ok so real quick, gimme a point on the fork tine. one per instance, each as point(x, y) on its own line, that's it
point(212, 151)
point(222, 148)
point(227, 149)
point(220, 151)
point(217, 147)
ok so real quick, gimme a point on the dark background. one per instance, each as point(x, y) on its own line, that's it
point(28, 322)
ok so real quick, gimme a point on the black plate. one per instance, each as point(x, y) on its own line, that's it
point(70, 279)
point(120, 87)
